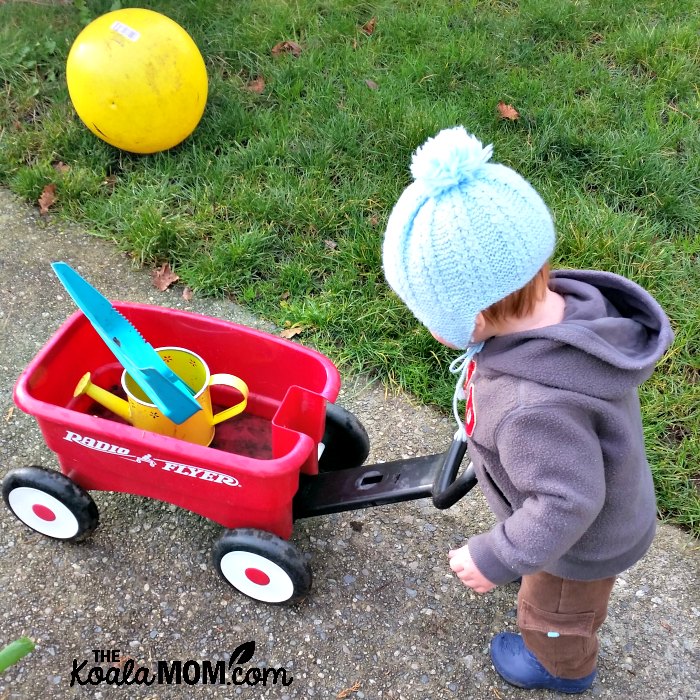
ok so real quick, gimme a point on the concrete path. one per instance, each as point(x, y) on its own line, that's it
point(385, 618)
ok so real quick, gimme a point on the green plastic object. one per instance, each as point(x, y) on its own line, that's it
point(13, 652)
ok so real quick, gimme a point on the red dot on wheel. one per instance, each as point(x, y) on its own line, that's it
point(257, 576)
point(43, 512)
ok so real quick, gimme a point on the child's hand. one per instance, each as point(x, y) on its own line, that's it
point(462, 564)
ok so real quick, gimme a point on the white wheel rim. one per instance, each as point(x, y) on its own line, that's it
point(43, 512)
point(257, 576)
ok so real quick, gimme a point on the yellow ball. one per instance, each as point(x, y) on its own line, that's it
point(137, 80)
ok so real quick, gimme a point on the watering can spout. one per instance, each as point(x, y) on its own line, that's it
point(103, 397)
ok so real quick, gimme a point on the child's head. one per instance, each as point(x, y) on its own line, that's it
point(463, 236)
point(521, 302)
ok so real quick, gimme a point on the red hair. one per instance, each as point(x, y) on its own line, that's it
point(521, 302)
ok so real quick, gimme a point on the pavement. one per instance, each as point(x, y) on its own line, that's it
point(385, 617)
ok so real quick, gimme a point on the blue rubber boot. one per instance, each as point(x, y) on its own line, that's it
point(516, 664)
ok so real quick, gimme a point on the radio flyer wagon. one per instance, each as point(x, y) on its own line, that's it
point(292, 454)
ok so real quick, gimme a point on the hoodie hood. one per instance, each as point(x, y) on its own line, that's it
point(612, 335)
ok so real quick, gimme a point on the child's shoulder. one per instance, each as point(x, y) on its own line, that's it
point(493, 397)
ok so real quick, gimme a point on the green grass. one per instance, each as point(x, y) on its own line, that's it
point(279, 200)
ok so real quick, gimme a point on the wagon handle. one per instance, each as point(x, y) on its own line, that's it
point(447, 489)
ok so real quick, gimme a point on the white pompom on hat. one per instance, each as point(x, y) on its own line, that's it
point(464, 235)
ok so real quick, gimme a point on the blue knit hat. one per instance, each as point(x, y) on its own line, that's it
point(464, 235)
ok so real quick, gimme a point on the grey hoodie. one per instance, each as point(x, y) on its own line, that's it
point(557, 441)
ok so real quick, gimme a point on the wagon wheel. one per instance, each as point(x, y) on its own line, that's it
point(50, 503)
point(345, 441)
point(262, 566)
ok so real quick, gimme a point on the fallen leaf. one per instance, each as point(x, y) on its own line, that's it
point(257, 86)
point(371, 85)
point(110, 182)
point(286, 47)
point(47, 199)
point(348, 691)
point(163, 277)
point(374, 220)
point(508, 112)
point(187, 294)
point(369, 27)
point(8, 415)
point(331, 245)
point(61, 167)
point(285, 296)
point(292, 331)
point(122, 661)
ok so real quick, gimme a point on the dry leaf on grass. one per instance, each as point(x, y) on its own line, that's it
point(508, 112)
point(47, 199)
point(110, 182)
point(286, 47)
point(60, 167)
point(257, 86)
point(292, 331)
point(371, 85)
point(331, 245)
point(348, 691)
point(163, 277)
point(369, 27)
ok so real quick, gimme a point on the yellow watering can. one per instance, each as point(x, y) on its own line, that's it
point(142, 413)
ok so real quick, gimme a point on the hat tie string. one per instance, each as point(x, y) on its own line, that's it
point(459, 367)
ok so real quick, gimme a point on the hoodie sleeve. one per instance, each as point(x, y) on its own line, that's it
point(553, 457)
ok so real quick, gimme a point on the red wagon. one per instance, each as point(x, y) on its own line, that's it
point(259, 474)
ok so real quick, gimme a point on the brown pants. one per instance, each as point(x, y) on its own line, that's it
point(559, 618)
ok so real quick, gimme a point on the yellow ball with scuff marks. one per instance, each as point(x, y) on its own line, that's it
point(137, 80)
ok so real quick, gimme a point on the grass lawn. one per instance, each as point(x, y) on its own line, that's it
point(279, 199)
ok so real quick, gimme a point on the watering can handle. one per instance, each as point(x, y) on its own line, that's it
point(236, 383)
point(447, 489)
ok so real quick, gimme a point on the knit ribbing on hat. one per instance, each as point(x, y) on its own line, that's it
point(455, 244)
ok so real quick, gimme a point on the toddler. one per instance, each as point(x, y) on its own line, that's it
point(550, 377)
